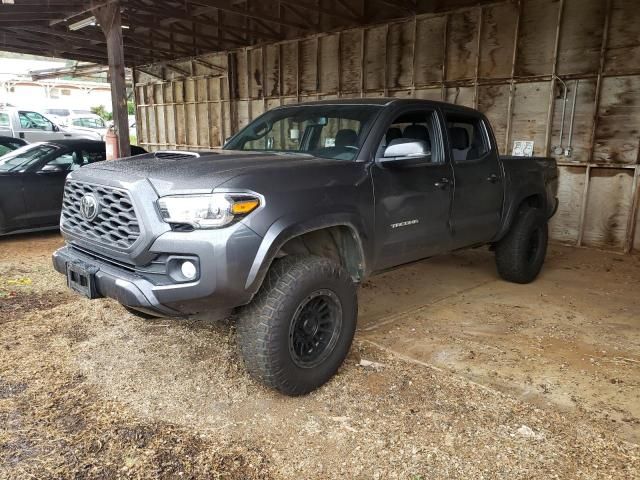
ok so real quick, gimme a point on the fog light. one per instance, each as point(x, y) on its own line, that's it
point(189, 270)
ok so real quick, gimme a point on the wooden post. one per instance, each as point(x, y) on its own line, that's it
point(110, 22)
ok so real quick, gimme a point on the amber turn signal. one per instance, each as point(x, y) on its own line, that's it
point(243, 207)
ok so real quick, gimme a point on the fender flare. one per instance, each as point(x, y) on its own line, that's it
point(286, 228)
point(513, 206)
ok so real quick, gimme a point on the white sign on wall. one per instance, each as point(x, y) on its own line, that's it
point(522, 148)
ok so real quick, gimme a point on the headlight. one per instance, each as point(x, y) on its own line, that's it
point(207, 211)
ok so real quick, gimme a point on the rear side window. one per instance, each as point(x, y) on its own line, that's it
point(4, 119)
point(467, 137)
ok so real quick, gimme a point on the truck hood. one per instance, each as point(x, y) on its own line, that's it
point(190, 174)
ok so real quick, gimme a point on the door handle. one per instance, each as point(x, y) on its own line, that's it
point(493, 178)
point(442, 184)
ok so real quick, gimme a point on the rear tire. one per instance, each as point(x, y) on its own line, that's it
point(521, 253)
point(298, 329)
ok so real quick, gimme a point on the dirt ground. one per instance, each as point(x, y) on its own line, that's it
point(474, 378)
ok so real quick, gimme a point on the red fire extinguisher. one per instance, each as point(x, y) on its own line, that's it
point(111, 143)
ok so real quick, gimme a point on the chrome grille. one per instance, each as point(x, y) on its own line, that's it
point(116, 223)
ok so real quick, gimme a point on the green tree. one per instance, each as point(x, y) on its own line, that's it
point(101, 111)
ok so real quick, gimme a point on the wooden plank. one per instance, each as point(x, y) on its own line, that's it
point(289, 68)
point(462, 44)
point(493, 101)
point(497, 40)
point(400, 54)
point(255, 73)
point(429, 50)
point(581, 37)
point(374, 58)
point(623, 44)
point(308, 66)
point(565, 224)
point(350, 61)
point(618, 128)
point(529, 114)
point(608, 206)
point(428, 93)
point(272, 71)
point(536, 40)
point(461, 96)
point(328, 58)
point(633, 225)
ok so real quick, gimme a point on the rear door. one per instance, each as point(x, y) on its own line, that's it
point(412, 203)
point(478, 193)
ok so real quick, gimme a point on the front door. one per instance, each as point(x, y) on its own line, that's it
point(34, 127)
point(478, 197)
point(412, 203)
point(44, 187)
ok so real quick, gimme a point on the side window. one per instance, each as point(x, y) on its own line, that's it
point(91, 156)
point(416, 126)
point(4, 120)
point(34, 121)
point(467, 137)
point(61, 163)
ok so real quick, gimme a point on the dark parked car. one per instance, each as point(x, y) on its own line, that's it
point(8, 144)
point(32, 181)
point(297, 209)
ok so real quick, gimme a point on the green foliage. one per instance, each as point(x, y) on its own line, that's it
point(102, 112)
point(131, 107)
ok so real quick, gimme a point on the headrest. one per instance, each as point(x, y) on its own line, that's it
point(392, 134)
point(346, 138)
point(459, 138)
point(417, 132)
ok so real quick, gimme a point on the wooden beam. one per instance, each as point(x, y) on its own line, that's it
point(325, 11)
point(109, 18)
point(228, 6)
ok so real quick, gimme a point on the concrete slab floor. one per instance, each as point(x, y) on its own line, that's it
point(571, 339)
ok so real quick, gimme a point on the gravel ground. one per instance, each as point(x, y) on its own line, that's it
point(90, 391)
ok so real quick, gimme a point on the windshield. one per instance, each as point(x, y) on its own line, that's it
point(25, 156)
point(327, 131)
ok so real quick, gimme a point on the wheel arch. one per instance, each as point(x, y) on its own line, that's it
point(532, 199)
point(334, 237)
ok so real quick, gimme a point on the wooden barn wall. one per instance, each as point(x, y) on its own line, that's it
point(512, 60)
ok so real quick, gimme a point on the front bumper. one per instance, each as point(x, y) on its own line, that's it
point(224, 256)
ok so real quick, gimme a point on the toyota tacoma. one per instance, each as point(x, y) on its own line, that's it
point(297, 209)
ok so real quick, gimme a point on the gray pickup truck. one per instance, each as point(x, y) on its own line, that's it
point(299, 207)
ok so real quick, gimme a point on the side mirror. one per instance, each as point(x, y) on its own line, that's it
point(51, 169)
point(55, 128)
point(405, 152)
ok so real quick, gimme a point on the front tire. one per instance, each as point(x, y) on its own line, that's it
point(298, 330)
point(521, 253)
